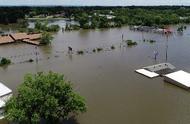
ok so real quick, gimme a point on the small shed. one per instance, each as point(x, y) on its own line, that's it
point(179, 78)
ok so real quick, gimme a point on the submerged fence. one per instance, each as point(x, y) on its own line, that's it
point(36, 56)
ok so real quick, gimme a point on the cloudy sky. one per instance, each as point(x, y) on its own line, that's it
point(95, 2)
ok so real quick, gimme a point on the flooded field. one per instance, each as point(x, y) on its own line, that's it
point(113, 91)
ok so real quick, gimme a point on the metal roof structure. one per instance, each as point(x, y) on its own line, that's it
point(147, 73)
point(179, 78)
point(4, 90)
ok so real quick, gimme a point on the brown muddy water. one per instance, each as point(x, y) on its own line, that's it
point(114, 92)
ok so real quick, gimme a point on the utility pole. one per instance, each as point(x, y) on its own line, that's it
point(36, 53)
point(166, 46)
point(143, 36)
point(122, 37)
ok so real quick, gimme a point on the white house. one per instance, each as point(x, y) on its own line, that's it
point(5, 95)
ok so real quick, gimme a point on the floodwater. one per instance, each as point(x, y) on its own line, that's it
point(114, 92)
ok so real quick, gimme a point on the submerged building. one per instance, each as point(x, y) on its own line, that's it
point(21, 37)
point(5, 95)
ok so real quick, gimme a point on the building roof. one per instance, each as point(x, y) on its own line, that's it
point(147, 73)
point(34, 36)
point(19, 36)
point(5, 39)
point(4, 90)
point(160, 66)
point(34, 42)
point(29, 38)
point(181, 77)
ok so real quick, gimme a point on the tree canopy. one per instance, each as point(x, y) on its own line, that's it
point(44, 96)
point(46, 38)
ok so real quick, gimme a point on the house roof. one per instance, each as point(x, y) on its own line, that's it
point(19, 36)
point(180, 77)
point(147, 73)
point(4, 90)
point(6, 39)
point(34, 36)
point(34, 42)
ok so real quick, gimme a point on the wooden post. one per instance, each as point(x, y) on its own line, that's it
point(36, 53)
point(166, 46)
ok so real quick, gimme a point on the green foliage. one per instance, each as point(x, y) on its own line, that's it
point(30, 60)
point(46, 38)
point(147, 16)
point(94, 50)
point(103, 23)
point(83, 19)
point(44, 27)
point(131, 43)
point(99, 49)
point(32, 30)
point(181, 28)
point(5, 61)
point(53, 28)
point(152, 41)
point(44, 96)
point(112, 47)
point(71, 27)
point(80, 52)
point(23, 23)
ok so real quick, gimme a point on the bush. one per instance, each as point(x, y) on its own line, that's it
point(80, 52)
point(30, 60)
point(46, 38)
point(5, 61)
point(131, 43)
point(152, 41)
point(44, 96)
point(112, 47)
point(53, 28)
point(99, 49)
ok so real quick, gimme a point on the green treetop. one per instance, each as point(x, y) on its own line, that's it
point(44, 96)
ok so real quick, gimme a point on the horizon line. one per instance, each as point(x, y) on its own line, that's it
point(94, 5)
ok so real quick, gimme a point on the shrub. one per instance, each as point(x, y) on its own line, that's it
point(80, 52)
point(47, 96)
point(99, 49)
point(131, 43)
point(94, 50)
point(112, 47)
point(46, 38)
point(5, 61)
point(30, 60)
point(152, 41)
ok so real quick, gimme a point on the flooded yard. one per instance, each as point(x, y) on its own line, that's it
point(113, 91)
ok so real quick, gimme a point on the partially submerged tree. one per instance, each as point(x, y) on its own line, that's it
point(5, 61)
point(46, 38)
point(44, 97)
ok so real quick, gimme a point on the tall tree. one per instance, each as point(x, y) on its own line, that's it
point(44, 97)
point(46, 38)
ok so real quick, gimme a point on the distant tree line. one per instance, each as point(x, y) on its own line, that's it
point(91, 17)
